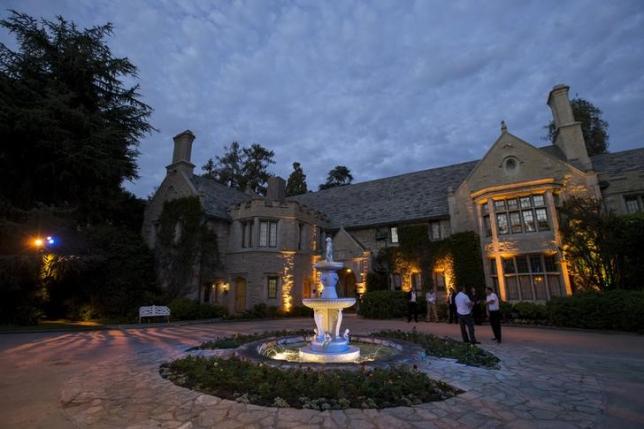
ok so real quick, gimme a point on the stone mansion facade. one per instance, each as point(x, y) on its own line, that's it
point(268, 245)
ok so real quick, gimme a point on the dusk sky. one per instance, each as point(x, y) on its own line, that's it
point(383, 87)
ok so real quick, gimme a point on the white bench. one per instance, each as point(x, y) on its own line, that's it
point(154, 311)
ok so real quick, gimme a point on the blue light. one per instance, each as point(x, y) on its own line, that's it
point(51, 241)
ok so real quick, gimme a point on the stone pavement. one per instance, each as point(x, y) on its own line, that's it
point(110, 379)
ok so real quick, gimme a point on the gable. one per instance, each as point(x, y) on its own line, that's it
point(512, 160)
point(345, 246)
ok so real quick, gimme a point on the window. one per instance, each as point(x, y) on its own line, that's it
point(271, 286)
point(416, 282)
point(247, 234)
point(633, 203)
point(487, 225)
point(435, 230)
point(393, 231)
point(530, 277)
point(520, 215)
point(502, 223)
point(267, 234)
point(396, 283)
point(494, 275)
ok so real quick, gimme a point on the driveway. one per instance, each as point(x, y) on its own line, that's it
point(109, 378)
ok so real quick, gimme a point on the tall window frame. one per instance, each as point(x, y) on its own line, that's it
point(272, 286)
point(531, 277)
point(268, 233)
point(518, 215)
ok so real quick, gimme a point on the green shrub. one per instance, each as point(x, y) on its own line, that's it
point(617, 309)
point(445, 347)
point(387, 304)
point(530, 311)
point(188, 309)
point(247, 382)
point(376, 281)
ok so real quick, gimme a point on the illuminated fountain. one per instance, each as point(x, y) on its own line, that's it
point(328, 344)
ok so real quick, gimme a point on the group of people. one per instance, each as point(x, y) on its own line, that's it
point(462, 308)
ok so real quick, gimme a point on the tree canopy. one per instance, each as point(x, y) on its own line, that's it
point(338, 176)
point(70, 125)
point(296, 183)
point(593, 127)
point(243, 168)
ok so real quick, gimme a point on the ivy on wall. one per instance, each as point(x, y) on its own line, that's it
point(185, 244)
point(416, 252)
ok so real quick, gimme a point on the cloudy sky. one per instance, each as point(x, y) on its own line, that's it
point(384, 87)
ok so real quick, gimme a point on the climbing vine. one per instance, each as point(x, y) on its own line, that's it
point(416, 252)
point(186, 244)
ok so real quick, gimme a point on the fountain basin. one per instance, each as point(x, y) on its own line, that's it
point(328, 303)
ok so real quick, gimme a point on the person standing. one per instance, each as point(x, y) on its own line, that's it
point(412, 308)
point(494, 313)
point(476, 307)
point(451, 306)
point(464, 310)
point(431, 306)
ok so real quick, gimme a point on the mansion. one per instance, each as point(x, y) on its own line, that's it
point(268, 245)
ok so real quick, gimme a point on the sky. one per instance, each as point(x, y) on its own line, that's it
point(383, 87)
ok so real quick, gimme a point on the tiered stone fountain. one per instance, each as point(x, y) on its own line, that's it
point(328, 345)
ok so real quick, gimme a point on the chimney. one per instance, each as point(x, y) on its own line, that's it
point(276, 189)
point(568, 135)
point(181, 154)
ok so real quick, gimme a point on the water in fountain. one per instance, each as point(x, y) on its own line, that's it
point(329, 344)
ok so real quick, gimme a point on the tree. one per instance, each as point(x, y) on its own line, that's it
point(338, 176)
point(255, 168)
point(296, 183)
point(241, 168)
point(70, 126)
point(593, 127)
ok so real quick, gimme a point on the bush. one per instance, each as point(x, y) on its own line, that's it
point(188, 309)
point(530, 311)
point(617, 309)
point(376, 281)
point(247, 382)
point(445, 347)
point(388, 304)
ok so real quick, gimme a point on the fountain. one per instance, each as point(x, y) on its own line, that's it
point(328, 345)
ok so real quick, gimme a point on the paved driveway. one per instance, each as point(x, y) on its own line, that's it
point(549, 378)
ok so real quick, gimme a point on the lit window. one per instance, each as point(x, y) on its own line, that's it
point(542, 219)
point(525, 279)
point(528, 221)
point(515, 222)
point(271, 285)
point(394, 234)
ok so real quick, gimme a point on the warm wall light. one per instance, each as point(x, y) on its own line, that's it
point(38, 243)
point(225, 287)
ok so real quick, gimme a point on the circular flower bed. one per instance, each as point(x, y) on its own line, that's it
point(259, 384)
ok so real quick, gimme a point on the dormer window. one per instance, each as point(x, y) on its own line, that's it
point(393, 231)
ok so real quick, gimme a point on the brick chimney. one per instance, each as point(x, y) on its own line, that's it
point(568, 135)
point(181, 154)
point(276, 190)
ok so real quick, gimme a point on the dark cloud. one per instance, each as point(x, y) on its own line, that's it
point(383, 87)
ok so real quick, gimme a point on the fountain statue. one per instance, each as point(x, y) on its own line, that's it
point(327, 344)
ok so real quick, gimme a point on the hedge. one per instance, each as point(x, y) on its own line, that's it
point(387, 304)
point(617, 309)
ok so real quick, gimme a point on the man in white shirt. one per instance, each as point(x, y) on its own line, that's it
point(494, 313)
point(431, 306)
point(464, 311)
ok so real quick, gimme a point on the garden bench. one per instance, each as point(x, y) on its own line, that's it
point(154, 311)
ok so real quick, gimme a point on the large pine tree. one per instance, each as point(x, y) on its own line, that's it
point(69, 125)
point(296, 183)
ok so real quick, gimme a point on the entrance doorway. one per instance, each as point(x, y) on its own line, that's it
point(347, 286)
point(240, 294)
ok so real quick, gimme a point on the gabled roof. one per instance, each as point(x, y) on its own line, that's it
point(392, 200)
point(217, 198)
point(617, 163)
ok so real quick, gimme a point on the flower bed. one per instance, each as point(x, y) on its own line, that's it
point(445, 347)
point(248, 382)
